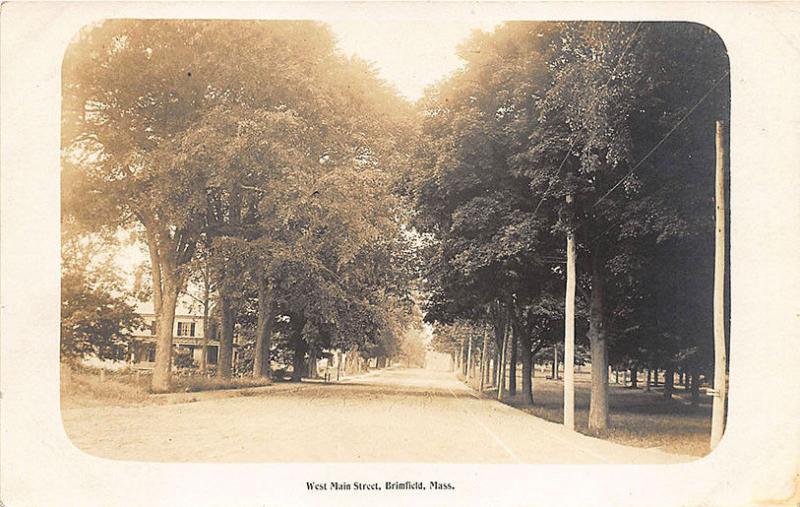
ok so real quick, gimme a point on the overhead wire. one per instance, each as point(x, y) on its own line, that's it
point(649, 153)
point(572, 143)
point(654, 148)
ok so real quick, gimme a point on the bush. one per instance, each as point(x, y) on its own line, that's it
point(182, 359)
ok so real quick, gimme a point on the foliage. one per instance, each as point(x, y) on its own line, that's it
point(257, 139)
point(256, 155)
point(183, 360)
point(618, 115)
point(96, 318)
point(412, 348)
point(449, 338)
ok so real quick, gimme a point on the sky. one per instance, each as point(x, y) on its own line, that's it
point(410, 55)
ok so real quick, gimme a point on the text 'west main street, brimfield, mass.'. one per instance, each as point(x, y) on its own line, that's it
point(378, 486)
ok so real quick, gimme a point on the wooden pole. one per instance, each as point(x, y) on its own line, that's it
point(720, 356)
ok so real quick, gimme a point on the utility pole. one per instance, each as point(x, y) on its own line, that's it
point(720, 356)
point(569, 331)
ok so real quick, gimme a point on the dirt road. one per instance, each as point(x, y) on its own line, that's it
point(396, 415)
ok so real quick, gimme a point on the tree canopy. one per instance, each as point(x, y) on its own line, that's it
point(328, 212)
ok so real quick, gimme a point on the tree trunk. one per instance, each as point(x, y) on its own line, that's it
point(298, 322)
point(261, 361)
point(669, 382)
point(206, 318)
point(311, 369)
point(634, 378)
point(225, 356)
point(555, 362)
point(695, 383)
point(501, 386)
point(598, 405)
point(165, 297)
point(527, 370)
point(499, 327)
point(496, 368)
point(298, 363)
point(162, 370)
point(484, 359)
point(299, 359)
point(525, 347)
point(533, 371)
point(647, 380)
point(468, 373)
point(512, 370)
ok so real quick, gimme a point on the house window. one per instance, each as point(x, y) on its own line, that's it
point(151, 354)
point(153, 327)
point(186, 328)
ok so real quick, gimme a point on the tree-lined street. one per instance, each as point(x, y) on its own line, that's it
point(559, 198)
point(395, 415)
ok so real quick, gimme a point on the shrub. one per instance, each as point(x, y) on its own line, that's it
point(183, 360)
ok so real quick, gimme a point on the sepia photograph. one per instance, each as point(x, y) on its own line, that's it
point(271, 251)
point(400, 254)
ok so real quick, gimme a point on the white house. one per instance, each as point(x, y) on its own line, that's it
point(187, 335)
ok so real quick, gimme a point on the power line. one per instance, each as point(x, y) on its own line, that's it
point(652, 150)
point(572, 143)
point(662, 140)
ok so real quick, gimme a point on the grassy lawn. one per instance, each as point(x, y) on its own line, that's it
point(84, 387)
point(638, 418)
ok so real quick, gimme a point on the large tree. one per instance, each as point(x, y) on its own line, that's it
point(135, 90)
point(631, 194)
point(494, 250)
point(616, 115)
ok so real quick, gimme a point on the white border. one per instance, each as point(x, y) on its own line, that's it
point(757, 461)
